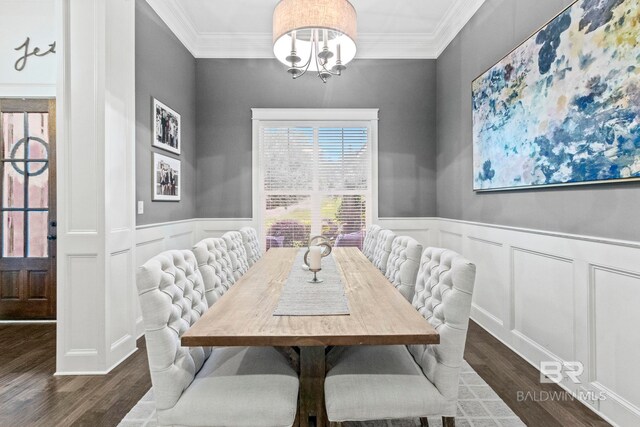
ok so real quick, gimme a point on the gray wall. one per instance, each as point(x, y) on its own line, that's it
point(403, 90)
point(606, 210)
point(165, 70)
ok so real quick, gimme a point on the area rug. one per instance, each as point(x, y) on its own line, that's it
point(478, 406)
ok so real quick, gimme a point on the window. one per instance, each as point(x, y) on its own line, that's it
point(314, 177)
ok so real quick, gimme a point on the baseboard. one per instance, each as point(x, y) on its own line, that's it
point(8, 322)
point(104, 372)
point(139, 328)
point(526, 359)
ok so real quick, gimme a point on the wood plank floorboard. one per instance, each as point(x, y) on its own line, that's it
point(30, 395)
point(507, 373)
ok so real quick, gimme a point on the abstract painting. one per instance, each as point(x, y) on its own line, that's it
point(563, 107)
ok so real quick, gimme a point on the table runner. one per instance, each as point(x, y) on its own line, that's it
point(301, 298)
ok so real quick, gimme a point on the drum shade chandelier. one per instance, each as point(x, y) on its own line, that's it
point(316, 35)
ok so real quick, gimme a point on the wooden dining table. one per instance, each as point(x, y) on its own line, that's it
point(244, 316)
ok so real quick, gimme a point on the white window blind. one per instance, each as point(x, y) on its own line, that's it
point(315, 179)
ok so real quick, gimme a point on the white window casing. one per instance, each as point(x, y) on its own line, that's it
point(323, 161)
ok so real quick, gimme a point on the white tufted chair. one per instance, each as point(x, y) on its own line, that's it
point(251, 244)
point(403, 265)
point(387, 382)
point(196, 386)
point(237, 253)
point(370, 241)
point(215, 266)
point(382, 249)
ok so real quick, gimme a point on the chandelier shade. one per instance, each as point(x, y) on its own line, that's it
point(317, 35)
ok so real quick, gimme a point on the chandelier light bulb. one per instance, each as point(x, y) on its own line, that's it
point(293, 58)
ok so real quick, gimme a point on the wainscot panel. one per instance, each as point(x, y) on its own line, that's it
point(548, 296)
point(554, 297)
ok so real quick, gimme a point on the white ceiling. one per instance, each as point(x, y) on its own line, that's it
point(386, 28)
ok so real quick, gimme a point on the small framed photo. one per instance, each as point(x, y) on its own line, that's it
point(166, 128)
point(166, 178)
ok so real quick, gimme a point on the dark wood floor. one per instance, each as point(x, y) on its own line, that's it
point(508, 374)
point(31, 396)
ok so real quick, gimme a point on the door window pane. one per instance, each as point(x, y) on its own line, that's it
point(38, 234)
point(38, 135)
point(13, 185)
point(13, 234)
point(37, 168)
point(288, 221)
point(38, 185)
point(12, 133)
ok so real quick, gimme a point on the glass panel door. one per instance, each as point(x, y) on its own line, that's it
point(25, 164)
point(27, 209)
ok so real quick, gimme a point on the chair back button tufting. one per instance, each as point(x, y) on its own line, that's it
point(171, 293)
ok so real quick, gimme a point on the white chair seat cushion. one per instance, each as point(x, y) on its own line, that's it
point(376, 383)
point(238, 386)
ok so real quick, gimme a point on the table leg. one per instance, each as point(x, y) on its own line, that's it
point(312, 372)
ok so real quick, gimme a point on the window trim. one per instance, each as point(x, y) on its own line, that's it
point(285, 116)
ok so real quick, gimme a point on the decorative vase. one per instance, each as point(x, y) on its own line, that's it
point(314, 264)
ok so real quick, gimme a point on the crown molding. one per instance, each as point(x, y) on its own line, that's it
point(396, 46)
point(234, 45)
point(370, 45)
point(460, 12)
point(172, 13)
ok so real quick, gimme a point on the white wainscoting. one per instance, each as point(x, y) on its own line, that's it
point(155, 238)
point(424, 230)
point(96, 182)
point(548, 296)
point(216, 227)
point(558, 297)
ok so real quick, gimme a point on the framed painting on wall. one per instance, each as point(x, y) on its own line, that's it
point(166, 128)
point(166, 178)
point(563, 108)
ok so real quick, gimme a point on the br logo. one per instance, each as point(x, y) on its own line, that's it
point(556, 372)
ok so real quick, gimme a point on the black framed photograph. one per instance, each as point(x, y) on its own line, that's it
point(166, 128)
point(166, 178)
